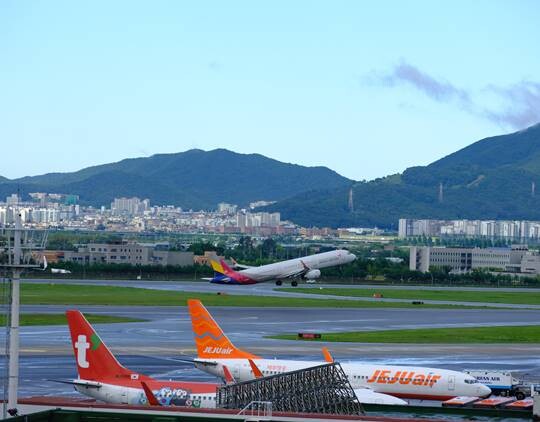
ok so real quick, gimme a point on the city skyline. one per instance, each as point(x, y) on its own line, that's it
point(392, 85)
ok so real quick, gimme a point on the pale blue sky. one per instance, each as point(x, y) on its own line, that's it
point(365, 88)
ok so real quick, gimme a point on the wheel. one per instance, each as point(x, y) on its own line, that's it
point(279, 283)
point(294, 283)
point(520, 395)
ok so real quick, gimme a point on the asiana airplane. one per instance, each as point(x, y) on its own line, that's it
point(307, 268)
point(215, 351)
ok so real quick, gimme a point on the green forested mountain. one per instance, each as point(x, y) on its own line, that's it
point(193, 179)
point(490, 179)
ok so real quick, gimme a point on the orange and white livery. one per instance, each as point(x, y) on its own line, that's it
point(215, 351)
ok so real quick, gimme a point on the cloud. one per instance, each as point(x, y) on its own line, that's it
point(521, 101)
point(523, 108)
point(441, 91)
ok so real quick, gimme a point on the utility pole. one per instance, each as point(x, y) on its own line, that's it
point(19, 244)
point(13, 377)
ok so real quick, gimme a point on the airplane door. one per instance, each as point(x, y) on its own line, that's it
point(452, 382)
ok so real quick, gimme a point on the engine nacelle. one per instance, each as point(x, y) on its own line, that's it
point(312, 274)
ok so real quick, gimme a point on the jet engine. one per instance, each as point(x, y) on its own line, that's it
point(312, 274)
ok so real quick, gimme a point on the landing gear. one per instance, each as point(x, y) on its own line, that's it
point(294, 283)
point(279, 283)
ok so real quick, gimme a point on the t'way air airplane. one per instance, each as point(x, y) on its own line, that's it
point(215, 350)
point(102, 377)
point(307, 268)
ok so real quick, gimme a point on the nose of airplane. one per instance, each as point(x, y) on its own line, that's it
point(353, 257)
point(483, 390)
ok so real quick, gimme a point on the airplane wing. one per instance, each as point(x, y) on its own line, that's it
point(296, 273)
point(204, 362)
point(368, 396)
point(236, 265)
point(180, 360)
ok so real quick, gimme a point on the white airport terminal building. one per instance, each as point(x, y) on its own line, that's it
point(517, 259)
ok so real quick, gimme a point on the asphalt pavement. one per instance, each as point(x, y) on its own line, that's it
point(150, 347)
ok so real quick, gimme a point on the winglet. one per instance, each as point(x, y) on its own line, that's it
point(229, 379)
point(327, 356)
point(152, 400)
point(256, 371)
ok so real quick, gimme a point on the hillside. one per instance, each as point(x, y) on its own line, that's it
point(490, 179)
point(193, 179)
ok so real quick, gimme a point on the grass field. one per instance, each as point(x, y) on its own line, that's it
point(501, 334)
point(524, 298)
point(60, 319)
point(61, 294)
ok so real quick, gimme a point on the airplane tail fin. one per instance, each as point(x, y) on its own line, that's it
point(226, 267)
point(211, 341)
point(218, 267)
point(94, 360)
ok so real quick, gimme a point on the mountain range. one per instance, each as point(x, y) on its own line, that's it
point(194, 179)
point(494, 178)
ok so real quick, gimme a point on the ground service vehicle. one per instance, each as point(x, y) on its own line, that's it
point(502, 383)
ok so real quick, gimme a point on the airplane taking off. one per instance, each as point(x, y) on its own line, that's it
point(307, 268)
point(102, 377)
point(215, 350)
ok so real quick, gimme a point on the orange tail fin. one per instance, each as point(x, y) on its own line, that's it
point(210, 340)
point(94, 360)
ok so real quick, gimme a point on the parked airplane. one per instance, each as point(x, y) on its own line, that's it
point(307, 268)
point(102, 377)
point(214, 350)
point(59, 271)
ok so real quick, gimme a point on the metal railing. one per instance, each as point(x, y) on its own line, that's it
point(257, 409)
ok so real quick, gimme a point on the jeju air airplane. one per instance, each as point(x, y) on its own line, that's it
point(103, 378)
point(215, 350)
point(307, 268)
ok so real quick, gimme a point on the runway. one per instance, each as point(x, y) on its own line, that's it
point(168, 329)
point(150, 346)
point(269, 289)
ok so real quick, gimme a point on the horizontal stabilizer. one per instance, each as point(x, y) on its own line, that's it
point(79, 383)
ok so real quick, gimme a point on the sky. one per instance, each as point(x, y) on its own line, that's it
point(366, 88)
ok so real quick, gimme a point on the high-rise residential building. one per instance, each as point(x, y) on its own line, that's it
point(129, 206)
point(225, 208)
point(471, 228)
point(13, 199)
